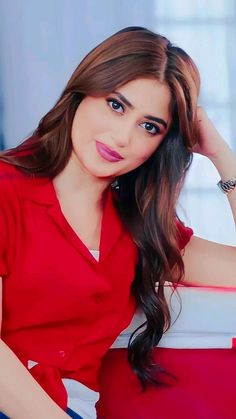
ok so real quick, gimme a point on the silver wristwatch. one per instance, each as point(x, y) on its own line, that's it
point(228, 185)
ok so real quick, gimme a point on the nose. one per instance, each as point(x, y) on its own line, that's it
point(121, 133)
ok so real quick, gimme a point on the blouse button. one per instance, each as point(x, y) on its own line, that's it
point(62, 354)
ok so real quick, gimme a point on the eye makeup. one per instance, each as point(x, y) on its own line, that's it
point(113, 101)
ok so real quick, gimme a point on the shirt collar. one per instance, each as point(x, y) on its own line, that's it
point(41, 191)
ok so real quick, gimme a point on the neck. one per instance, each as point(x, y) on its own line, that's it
point(74, 181)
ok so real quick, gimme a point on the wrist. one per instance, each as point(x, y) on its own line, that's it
point(225, 162)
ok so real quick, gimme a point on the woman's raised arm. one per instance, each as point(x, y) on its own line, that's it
point(206, 262)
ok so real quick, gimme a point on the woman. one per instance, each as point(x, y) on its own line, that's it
point(88, 217)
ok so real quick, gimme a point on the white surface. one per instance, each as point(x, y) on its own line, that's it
point(206, 320)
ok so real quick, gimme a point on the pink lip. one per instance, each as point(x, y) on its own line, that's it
point(107, 153)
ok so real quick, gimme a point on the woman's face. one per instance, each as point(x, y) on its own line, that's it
point(116, 133)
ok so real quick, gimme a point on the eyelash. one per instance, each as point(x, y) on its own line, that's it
point(112, 100)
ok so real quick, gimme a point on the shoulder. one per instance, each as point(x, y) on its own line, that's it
point(9, 173)
point(12, 181)
point(20, 187)
point(6, 167)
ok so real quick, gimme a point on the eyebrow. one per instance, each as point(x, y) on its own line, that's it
point(150, 117)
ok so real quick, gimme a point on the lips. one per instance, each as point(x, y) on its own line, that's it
point(108, 154)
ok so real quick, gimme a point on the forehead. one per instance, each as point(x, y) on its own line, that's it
point(148, 96)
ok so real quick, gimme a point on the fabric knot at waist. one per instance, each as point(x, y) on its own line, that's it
point(50, 380)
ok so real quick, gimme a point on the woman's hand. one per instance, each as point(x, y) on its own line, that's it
point(210, 143)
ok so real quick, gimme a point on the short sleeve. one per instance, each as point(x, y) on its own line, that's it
point(184, 234)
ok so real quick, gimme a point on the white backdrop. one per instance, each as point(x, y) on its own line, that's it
point(41, 42)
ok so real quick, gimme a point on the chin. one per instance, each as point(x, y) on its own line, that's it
point(99, 172)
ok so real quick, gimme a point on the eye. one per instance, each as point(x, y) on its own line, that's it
point(151, 128)
point(115, 105)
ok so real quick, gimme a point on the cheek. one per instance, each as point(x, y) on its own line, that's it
point(100, 123)
point(97, 119)
point(89, 119)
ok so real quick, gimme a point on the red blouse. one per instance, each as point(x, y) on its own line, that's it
point(61, 308)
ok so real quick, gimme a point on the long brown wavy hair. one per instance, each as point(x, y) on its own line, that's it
point(146, 197)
